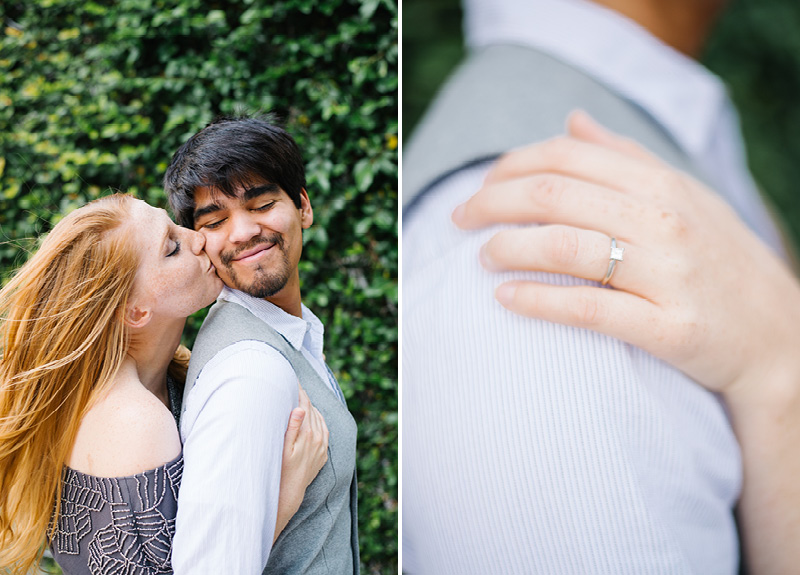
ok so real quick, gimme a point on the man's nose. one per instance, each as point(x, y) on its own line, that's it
point(243, 227)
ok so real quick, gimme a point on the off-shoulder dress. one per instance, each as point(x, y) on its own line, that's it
point(119, 525)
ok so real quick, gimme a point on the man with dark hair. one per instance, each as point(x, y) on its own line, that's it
point(241, 183)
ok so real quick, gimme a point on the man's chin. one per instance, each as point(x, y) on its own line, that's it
point(261, 288)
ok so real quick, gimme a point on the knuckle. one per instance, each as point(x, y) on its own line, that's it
point(547, 191)
point(666, 180)
point(559, 151)
point(684, 271)
point(687, 325)
point(674, 224)
point(587, 311)
point(667, 185)
point(562, 245)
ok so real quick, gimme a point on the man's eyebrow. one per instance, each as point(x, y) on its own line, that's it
point(205, 210)
point(260, 190)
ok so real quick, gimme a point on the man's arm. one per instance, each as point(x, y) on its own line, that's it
point(233, 431)
point(535, 447)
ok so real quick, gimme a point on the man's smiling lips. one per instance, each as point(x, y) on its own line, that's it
point(253, 253)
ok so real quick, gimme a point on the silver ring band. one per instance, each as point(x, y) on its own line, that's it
point(616, 256)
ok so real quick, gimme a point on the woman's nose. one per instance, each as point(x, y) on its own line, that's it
point(198, 242)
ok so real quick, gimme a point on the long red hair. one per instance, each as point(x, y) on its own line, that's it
point(63, 341)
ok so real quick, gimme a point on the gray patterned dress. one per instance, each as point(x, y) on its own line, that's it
point(119, 525)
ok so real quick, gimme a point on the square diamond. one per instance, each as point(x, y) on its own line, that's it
point(616, 254)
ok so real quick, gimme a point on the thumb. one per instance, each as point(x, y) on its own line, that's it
point(582, 126)
point(295, 421)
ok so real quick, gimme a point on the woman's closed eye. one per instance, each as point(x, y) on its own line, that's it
point(176, 249)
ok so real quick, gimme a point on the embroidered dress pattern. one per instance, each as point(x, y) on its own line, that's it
point(118, 525)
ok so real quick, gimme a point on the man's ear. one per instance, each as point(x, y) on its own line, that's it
point(306, 212)
point(137, 316)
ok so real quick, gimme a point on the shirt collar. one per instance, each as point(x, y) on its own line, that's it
point(680, 94)
point(291, 327)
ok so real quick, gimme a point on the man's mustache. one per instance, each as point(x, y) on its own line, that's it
point(227, 257)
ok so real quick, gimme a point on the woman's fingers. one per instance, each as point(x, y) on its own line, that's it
point(319, 430)
point(316, 422)
point(320, 437)
point(322, 426)
point(303, 400)
point(615, 313)
point(582, 126)
point(580, 160)
point(567, 250)
point(296, 419)
point(324, 434)
point(551, 198)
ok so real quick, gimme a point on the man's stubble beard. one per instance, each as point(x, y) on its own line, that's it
point(265, 282)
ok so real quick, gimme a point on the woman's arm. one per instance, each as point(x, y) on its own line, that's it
point(305, 451)
point(695, 287)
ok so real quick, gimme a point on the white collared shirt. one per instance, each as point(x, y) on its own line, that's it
point(233, 430)
point(530, 447)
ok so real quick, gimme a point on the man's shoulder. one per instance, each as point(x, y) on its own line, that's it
point(503, 97)
point(224, 309)
point(231, 337)
point(253, 368)
point(228, 322)
point(247, 351)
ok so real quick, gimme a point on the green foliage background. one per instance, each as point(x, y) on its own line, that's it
point(96, 96)
point(755, 48)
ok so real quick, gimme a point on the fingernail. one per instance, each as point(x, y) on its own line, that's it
point(486, 260)
point(505, 294)
point(458, 214)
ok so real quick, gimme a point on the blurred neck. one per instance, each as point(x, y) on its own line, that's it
point(152, 348)
point(682, 24)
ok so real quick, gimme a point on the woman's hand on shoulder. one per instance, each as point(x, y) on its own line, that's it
point(695, 286)
point(305, 452)
point(305, 447)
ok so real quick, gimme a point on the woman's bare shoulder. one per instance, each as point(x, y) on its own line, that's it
point(127, 432)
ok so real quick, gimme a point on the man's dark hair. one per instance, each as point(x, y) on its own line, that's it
point(231, 153)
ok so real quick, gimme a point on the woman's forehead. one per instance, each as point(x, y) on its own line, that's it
point(150, 213)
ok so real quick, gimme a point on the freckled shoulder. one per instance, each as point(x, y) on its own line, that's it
point(127, 432)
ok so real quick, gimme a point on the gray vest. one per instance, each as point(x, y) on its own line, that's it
point(503, 97)
point(322, 537)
